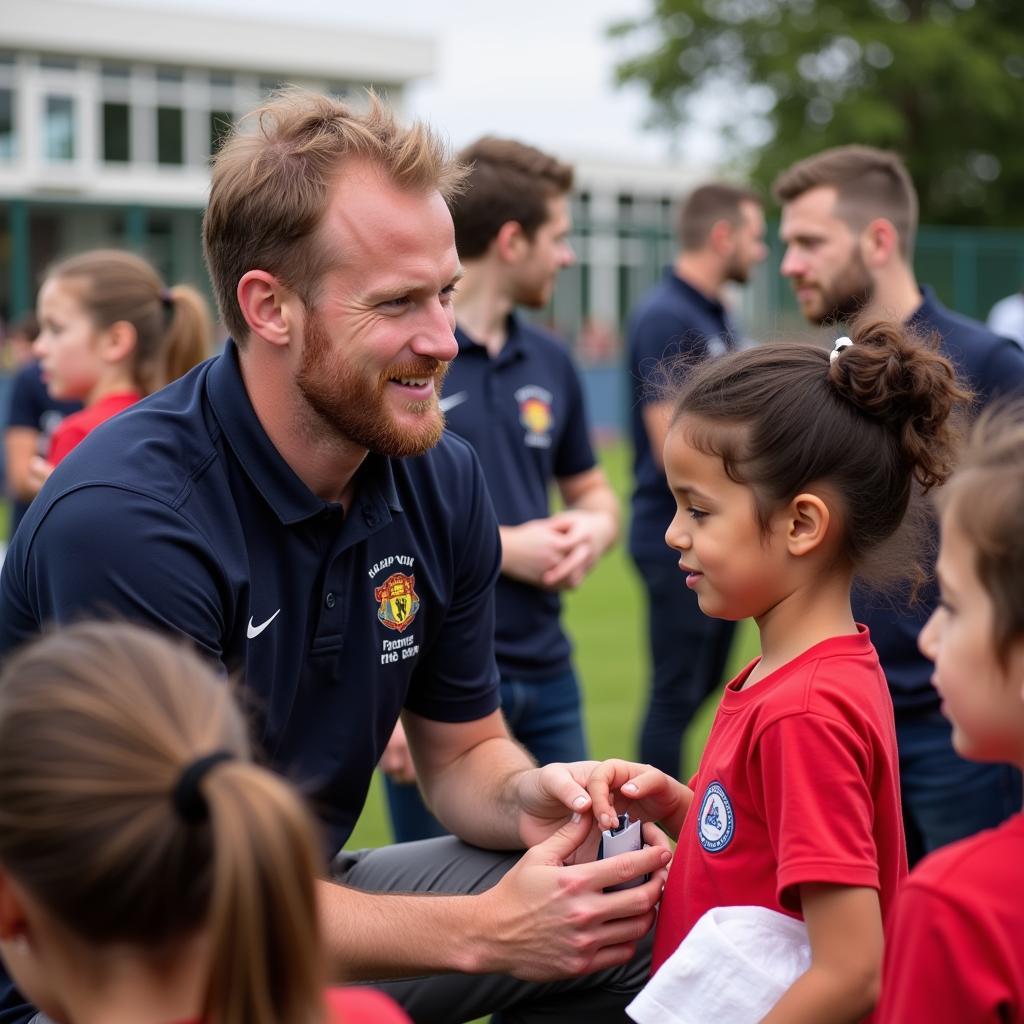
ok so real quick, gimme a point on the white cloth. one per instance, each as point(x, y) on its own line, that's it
point(732, 968)
point(1007, 317)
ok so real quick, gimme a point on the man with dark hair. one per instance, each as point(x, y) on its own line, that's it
point(513, 394)
point(849, 216)
point(296, 510)
point(721, 239)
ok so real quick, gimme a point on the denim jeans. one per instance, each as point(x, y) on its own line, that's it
point(688, 651)
point(543, 714)
point(946, 798)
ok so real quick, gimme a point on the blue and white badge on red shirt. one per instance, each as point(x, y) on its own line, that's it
point(715, 823)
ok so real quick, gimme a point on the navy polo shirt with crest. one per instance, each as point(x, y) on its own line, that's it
point(674, 320)
point(523, 413)
point(182, 515)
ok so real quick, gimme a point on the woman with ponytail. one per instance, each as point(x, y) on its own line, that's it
point(150, 873)
point(111, 333)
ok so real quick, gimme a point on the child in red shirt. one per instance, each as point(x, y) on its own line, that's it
point(955, 943)
point(110, 333)
point(149, 870)
point(790, 466)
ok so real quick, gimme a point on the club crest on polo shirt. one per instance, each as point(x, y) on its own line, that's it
point(535, 415)
point(715, 823)
point(397, 605)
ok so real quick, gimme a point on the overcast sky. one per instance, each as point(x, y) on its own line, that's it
point(539, 70)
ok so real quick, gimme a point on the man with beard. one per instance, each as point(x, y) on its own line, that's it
point(514, 395)
point(293, 508)
point(721, 236)
point(849, 216)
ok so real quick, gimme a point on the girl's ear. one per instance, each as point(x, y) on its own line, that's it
point(118, 342)
point(807, 523)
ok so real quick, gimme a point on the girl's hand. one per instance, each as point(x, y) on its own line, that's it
point(650, 794)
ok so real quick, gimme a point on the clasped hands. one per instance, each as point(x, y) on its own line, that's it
point(550, 917)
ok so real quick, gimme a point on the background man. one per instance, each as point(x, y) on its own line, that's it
point(721, 238)
point(514, 395)
point(849, 216)
point(293, 508)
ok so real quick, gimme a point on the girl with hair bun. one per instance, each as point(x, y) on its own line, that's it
point(150, 873)
point(111, 333)
point(793, 471)
point(954, 947)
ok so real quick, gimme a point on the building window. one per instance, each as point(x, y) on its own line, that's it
point(8, 144)
point(116, 146)
point(53, 62)
point(171, 76)
point(117, 72)
point(170, 136)
point(220, 128)
point(59, 128)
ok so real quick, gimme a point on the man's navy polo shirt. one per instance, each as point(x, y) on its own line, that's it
point(180, 513)
point(990, 366)
point(523, 414)
point(674, 320)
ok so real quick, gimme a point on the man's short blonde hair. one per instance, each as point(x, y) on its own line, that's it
point(271, 183)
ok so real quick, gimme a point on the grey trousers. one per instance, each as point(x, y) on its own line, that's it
point(447, 865)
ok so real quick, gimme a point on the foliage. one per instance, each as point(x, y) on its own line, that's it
point(940, 81)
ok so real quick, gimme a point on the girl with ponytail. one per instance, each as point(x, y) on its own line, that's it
point(150, 873)
point(794, 471)
point(111, 333)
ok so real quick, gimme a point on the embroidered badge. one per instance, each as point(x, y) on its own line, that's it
point(715, 823)
point(398, 601)
point(535, 415)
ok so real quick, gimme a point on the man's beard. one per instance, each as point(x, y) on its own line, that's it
point(847, 295)
point(355, 409)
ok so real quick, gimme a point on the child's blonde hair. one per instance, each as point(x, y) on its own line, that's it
point(98, 723)
point(173, 329)
point(985, 498)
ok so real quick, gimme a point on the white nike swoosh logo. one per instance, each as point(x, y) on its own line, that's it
point(252, 631)
point(450, 401)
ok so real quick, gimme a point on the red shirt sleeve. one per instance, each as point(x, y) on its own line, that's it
point(67, 435)
point(941, 964)
point(818, 806)
point(362, 1006)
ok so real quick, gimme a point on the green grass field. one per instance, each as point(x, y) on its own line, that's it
point(605, 618)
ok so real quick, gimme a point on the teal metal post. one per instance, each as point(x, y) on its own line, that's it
point(21, 259)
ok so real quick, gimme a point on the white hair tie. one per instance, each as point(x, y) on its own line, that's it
point(841, 343)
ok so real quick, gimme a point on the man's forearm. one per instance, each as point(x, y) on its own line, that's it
point(382, 935)
point(475, 797)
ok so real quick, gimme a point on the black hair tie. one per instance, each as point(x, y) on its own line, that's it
point(189, 801)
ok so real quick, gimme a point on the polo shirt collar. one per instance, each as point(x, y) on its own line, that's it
point(929, 308)
point(512, 349)
point(281, 487)
point(713, 306)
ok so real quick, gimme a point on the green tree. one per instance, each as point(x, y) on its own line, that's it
point(940, 81)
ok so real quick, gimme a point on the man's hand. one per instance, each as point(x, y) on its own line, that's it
point(396, 761)
point(38, 473)
point(589, 535)
point(533, 549)
point(549, 918)
point(646, 792)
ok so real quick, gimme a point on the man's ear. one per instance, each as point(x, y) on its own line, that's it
point(880, 243)
point(266, 305)
point(510, 242)
point(13, 921)
point(721, 236)
point(807, 523)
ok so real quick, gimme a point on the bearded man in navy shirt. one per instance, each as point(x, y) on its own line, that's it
point(849, 217)
point(294, 508)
